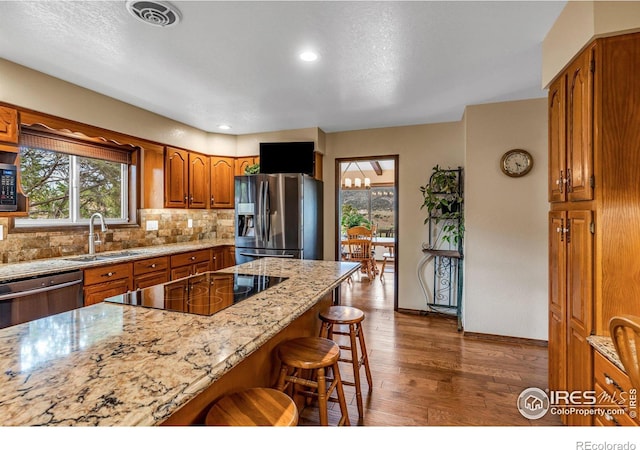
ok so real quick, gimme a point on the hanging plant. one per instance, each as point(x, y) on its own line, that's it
point(443, 201)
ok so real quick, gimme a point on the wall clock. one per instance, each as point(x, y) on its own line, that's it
point(516, 162)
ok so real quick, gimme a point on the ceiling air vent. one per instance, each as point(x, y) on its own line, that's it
point(158, 14)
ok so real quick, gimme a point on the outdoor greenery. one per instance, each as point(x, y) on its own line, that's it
point(46, 180)
point(369, 206)
point(351, 217)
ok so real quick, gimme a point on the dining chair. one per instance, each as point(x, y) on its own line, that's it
point(359, 244)
point(625, 333)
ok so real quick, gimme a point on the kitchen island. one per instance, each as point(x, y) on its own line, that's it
point(110, 364)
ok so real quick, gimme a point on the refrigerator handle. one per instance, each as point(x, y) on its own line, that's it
point(267, 211)
point(258, 223)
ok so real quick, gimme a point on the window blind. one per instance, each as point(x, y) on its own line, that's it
point(62, 144)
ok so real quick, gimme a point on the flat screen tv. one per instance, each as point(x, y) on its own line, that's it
point(287, 157)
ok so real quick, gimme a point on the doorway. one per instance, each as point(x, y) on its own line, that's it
point(367, 194)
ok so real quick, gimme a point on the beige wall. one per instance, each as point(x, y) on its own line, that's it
point(249, 144)
point(35, 90)
point(579, 23)
point(419, 148)
point(506, 221)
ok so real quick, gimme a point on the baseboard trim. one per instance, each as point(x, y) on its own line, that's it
point(505, 339)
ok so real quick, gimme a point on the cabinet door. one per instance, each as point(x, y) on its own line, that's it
point(579, 306)
point(579, 128)
point(580, 271)
point(180, 272)
point(222, 173)
point(8, 125)
point(218, 258)
point(150, 279)
point(242, 163)
point(557, 140)
point(198, 181)
point(176, 176)
point(98, 292)
point(557, 300)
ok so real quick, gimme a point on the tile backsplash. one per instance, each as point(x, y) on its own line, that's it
point(172, 228)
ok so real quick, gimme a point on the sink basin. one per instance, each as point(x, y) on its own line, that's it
point(102, 257)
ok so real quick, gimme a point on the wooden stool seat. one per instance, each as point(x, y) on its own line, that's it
point(353, 318)
point(314, 354)
point(254, 407)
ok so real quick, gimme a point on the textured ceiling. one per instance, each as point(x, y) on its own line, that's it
point(381, 63)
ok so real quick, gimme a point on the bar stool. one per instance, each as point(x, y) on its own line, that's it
point(254, 407)
point(313, 354)
point(353, 317)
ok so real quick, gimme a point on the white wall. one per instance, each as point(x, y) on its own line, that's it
point(506, 263)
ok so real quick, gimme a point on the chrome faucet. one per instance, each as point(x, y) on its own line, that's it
point(93, 239)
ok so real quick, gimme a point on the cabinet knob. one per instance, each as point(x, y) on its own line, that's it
point(193, 258)
point(212, 200)
point(153, 266)
point(109, 274)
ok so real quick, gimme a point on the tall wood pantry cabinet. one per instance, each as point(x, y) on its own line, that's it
point(594, 195)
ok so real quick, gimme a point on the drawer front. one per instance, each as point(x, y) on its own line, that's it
point(616, 384)
point(98, 292)
point(150, 279)
point(612, 416)
point(106, 273)
point(151, 265)
point(184, 259)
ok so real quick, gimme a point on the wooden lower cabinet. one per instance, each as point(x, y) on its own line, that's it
point(614, 391)
point(190, 263)
point(570, 304)
point(106, 281)
point(150, 272)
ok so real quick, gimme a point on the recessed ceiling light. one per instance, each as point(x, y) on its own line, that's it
point(224, 127)
point(308, 56)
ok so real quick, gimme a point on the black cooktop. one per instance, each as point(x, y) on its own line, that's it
point(203, 294)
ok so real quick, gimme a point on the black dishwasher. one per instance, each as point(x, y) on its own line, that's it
point(34, 298)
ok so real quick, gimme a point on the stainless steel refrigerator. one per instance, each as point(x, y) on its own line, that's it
point(278, 215)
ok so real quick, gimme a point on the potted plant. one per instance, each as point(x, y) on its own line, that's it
point(442, 199)
point(252, 169)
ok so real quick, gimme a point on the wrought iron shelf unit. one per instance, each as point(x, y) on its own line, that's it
point(445, 255)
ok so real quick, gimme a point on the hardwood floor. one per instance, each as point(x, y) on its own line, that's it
point(427, 373)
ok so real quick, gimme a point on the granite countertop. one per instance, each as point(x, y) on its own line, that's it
point(47, 266)
point(604, 345)
point(110, 364)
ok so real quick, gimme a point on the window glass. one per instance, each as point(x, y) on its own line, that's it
point(67, 189)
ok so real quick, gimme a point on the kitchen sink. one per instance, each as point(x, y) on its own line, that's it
point(102, 257)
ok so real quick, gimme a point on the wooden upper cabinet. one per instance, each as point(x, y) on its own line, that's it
point(198, 181)
point(242, 163)
point(176, 178)
point(186, 179)
point(222, 182)
point(8, 125)
point(580, 127)
point(570, 115)
point(557, 140)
